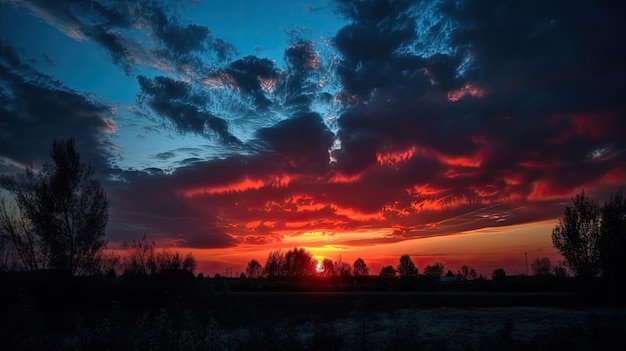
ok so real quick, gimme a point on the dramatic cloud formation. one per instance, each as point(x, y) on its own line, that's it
point(35, 108)
point(413, 120)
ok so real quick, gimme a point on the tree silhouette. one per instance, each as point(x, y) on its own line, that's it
point(387, 272)
point(299, 263)
point(498, 274)
point(613, 239)
point(434, 271)
point(18, 234)
point(142, 259)
point(63, 212)
point(359, 268)
point(295, 263)
point(342, 269)
point(541, 267)
point(468, 272)
point(274, 265)
point(407, 268)
point(559, 270)
point(329, 268)
point(577, 236)
point(254, 269)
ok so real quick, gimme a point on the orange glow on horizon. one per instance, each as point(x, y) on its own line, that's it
point(483, 249)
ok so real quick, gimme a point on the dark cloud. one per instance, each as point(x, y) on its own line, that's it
point(301, 141)
point(175, 101)
point(248, 72)
point(114, 44)
point(300, 85)
point(430, 144)
point(35, 109)
point(137, 209)
point(180, 39)
point(112, 24)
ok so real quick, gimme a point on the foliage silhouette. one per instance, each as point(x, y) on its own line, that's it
point(407, 268)
point(577, 236)
point(559, 270)
point(61, 213)
point(342, 269)
point(295, 263)
point(274, 265)
point(359, 268)
point(434, 271)
point(254, 270)
point(498, 273)
point(613, 239)
point(592, 238)
point(468, 272)
point(329, 268)
point(387, 272)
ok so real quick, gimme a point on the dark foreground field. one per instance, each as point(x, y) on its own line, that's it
point(192, 314)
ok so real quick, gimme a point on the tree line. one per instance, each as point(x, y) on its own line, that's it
point(300, 263)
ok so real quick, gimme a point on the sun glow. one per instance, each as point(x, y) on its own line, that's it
point(319, 268)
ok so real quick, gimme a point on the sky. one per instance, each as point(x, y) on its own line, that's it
point(452, 131)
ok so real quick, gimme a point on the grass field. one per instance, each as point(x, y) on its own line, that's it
point(192, 314)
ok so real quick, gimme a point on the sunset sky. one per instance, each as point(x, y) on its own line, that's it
point(452, 131)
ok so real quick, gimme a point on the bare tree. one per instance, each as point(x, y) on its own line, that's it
point(19, 238)
point(359, 268)
point(140, 257)
point(407, 268)
point(62, 212)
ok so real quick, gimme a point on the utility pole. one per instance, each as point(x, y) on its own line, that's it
point(526, 254)
point(229, 272)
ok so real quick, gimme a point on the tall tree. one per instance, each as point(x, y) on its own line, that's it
point(274, 264)
point(407, 268)
point(299, 263)
point(64, 207)
point(359, 268)
point(577, 236)
point(254, 269)
point(613, 239)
